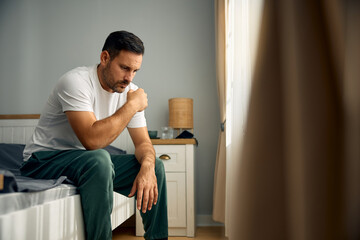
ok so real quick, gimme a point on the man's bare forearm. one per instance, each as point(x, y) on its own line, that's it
point(145, 154)
point(145, 183)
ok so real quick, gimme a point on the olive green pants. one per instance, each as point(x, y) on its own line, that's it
point(97, 174)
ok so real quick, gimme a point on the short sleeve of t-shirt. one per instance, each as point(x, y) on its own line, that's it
point(138, 120)
point(74, 93)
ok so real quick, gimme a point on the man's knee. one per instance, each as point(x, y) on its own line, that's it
point(99, 163)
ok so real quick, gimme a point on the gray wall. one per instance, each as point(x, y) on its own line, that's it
point(41, 40)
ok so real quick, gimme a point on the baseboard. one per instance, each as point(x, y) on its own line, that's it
point(203, 220)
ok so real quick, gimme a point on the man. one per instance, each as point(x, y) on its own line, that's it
point(87, 110)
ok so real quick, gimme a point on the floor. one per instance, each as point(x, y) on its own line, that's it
point(202, 233)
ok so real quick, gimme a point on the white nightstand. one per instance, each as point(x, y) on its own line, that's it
point(179, 170)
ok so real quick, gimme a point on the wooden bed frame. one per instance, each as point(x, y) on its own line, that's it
point(62, 218)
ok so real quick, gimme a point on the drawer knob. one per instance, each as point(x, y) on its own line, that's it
point(165, 157)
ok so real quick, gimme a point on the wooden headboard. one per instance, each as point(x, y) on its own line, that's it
point(20, 116)
point(18, 128)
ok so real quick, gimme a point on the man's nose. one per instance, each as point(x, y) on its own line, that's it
point(129, 76)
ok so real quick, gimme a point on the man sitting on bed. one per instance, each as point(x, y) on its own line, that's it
point(87, 110)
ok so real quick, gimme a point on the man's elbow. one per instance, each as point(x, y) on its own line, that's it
point(91, 144)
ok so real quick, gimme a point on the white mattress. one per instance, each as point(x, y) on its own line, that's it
point(11, 202)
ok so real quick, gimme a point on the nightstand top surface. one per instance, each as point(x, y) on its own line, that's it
point(173, 141)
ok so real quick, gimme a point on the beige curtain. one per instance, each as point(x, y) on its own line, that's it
point(299, 173)
point(220, 167)
point(352, 121)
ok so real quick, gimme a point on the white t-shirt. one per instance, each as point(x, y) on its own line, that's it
point(77, 90)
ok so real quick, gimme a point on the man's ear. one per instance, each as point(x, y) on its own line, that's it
point(104, 57)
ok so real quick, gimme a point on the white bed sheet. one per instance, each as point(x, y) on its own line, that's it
point(11, 202)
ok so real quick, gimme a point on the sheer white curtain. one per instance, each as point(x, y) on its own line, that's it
point(242, 36)
point(237, 27)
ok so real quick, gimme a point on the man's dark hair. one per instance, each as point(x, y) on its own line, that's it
point(123, 40)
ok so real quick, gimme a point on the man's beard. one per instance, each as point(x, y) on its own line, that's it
point(106, 77)
point(115, 89)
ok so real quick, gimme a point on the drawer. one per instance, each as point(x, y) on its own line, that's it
point(176, 154)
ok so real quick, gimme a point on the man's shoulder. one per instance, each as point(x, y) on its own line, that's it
point(79, 72)
point(78, 76)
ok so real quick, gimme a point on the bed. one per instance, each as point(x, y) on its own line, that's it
point(53, 213)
